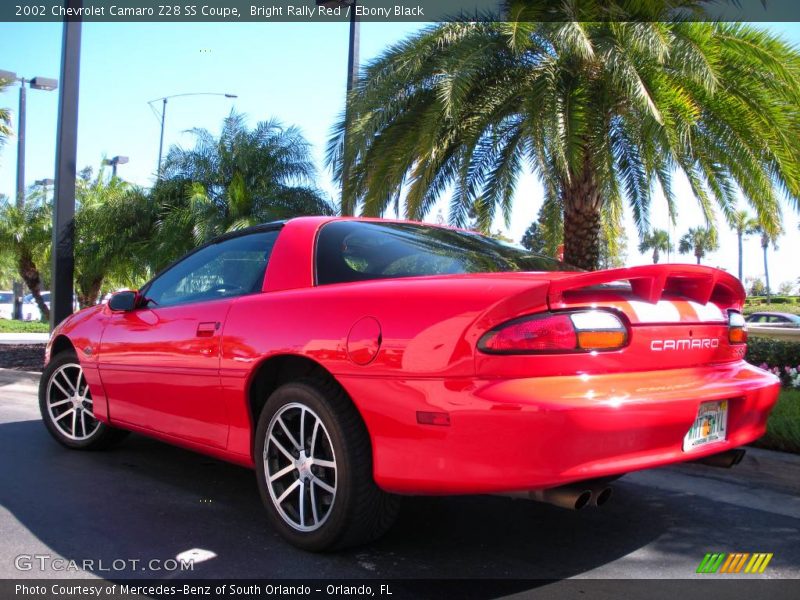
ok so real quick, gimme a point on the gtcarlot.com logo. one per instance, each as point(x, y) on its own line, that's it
point(46, 562)
point(734, 562)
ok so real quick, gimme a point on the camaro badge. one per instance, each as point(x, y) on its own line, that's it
point(684, 344)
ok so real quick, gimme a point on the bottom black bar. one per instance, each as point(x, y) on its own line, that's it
point(391, 589)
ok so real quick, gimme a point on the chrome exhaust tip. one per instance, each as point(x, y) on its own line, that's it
point(724, 460)
point(572, 497)
point(601, 495)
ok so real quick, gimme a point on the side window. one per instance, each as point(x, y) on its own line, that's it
point(232, 267)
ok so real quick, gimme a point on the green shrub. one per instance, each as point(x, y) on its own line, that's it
point(776, 353)
point(783, 427)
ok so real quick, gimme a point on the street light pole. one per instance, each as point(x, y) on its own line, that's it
point(37, 83)
point(117, 160)
point(353, 48)
point(61, 305)
point(164, 114)
point(21, 145)
point(17, 285)
point(44, 184)
point(161, 139)
point(352, 71)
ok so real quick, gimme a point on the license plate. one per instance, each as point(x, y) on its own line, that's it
point(710, 425)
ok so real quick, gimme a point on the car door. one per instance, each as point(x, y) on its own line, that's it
point(159, 363)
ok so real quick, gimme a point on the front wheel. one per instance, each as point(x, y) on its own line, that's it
point(65, 403)
point(314, 469)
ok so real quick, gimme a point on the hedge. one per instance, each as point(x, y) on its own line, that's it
point(774, 353)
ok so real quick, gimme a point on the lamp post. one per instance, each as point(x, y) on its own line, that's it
point(352, 64)
point(164, 114)
point(44, 184)
point(117, 160)
point(37, 83)
point(63, 264)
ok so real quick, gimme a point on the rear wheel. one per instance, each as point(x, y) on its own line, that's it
point(65, 403)
point(314, 469)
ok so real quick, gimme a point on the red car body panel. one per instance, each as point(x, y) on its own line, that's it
point(408, 345)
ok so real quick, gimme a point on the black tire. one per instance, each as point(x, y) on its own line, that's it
point(360, 511)
point(55, 401)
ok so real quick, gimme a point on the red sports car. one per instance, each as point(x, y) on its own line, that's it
point(350, 361)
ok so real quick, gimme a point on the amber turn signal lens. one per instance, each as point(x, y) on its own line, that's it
point(737, 328)
point(601, 340)
point(737, 335)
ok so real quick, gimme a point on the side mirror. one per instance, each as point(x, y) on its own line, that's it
point(123, 301)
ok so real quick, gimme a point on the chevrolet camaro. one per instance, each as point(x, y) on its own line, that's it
point(353, 361)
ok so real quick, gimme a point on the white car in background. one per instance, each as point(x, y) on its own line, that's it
point(6, 304)
point(30, 310)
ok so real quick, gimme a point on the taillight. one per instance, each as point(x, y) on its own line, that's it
point(737, 328)
point(580, 331)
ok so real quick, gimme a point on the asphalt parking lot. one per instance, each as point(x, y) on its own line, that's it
point(145, 500)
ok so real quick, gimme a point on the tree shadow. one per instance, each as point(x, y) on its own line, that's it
point(148, 500)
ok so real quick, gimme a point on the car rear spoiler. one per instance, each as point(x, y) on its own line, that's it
point(650, 282)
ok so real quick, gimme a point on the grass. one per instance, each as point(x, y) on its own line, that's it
point(9, 326)
point(783, 427)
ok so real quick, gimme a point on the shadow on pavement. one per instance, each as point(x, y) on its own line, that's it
point(145, 500)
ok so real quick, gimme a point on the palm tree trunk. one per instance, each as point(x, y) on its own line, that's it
point(740, 235)
point(582, 223)
point(30, 275)
point(766, 273)
point(87, 295)
point(656, 256)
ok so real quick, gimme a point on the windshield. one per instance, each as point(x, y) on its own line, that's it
point(6, 298)
point(357, 251)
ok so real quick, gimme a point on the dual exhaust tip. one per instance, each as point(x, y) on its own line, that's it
point(581, 494)
point(574, 496)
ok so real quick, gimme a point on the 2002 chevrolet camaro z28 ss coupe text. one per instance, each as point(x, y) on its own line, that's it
point(351, 361)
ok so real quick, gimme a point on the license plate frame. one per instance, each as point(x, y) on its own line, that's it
point(709, 426)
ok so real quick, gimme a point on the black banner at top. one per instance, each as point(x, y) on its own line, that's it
point(241, 11)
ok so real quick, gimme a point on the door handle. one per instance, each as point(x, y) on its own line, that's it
point(207, 329)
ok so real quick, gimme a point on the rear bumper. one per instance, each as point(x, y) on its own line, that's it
point(538, 432)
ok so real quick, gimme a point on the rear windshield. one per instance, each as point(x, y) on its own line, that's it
point(357, 251)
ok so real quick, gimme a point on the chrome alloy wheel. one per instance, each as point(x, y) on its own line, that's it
point(300, 467)
point(69, 403)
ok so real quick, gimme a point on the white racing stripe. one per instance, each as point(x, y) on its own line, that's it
point(663, 311)
point(707, 312)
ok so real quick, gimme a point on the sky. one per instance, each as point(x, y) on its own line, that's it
point(294, 72)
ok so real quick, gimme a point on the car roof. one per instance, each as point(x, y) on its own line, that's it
point(321, 219)
point(773, 314)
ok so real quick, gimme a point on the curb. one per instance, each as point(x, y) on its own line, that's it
point(14, 376)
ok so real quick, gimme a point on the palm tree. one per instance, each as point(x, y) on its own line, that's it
point(768, 236)
point(5, 116)
point(657, 241)
point(241, 178)
point(698, 241)
point(25, 234)
point(114, 227)
point(743, 224)
point(601, 110)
